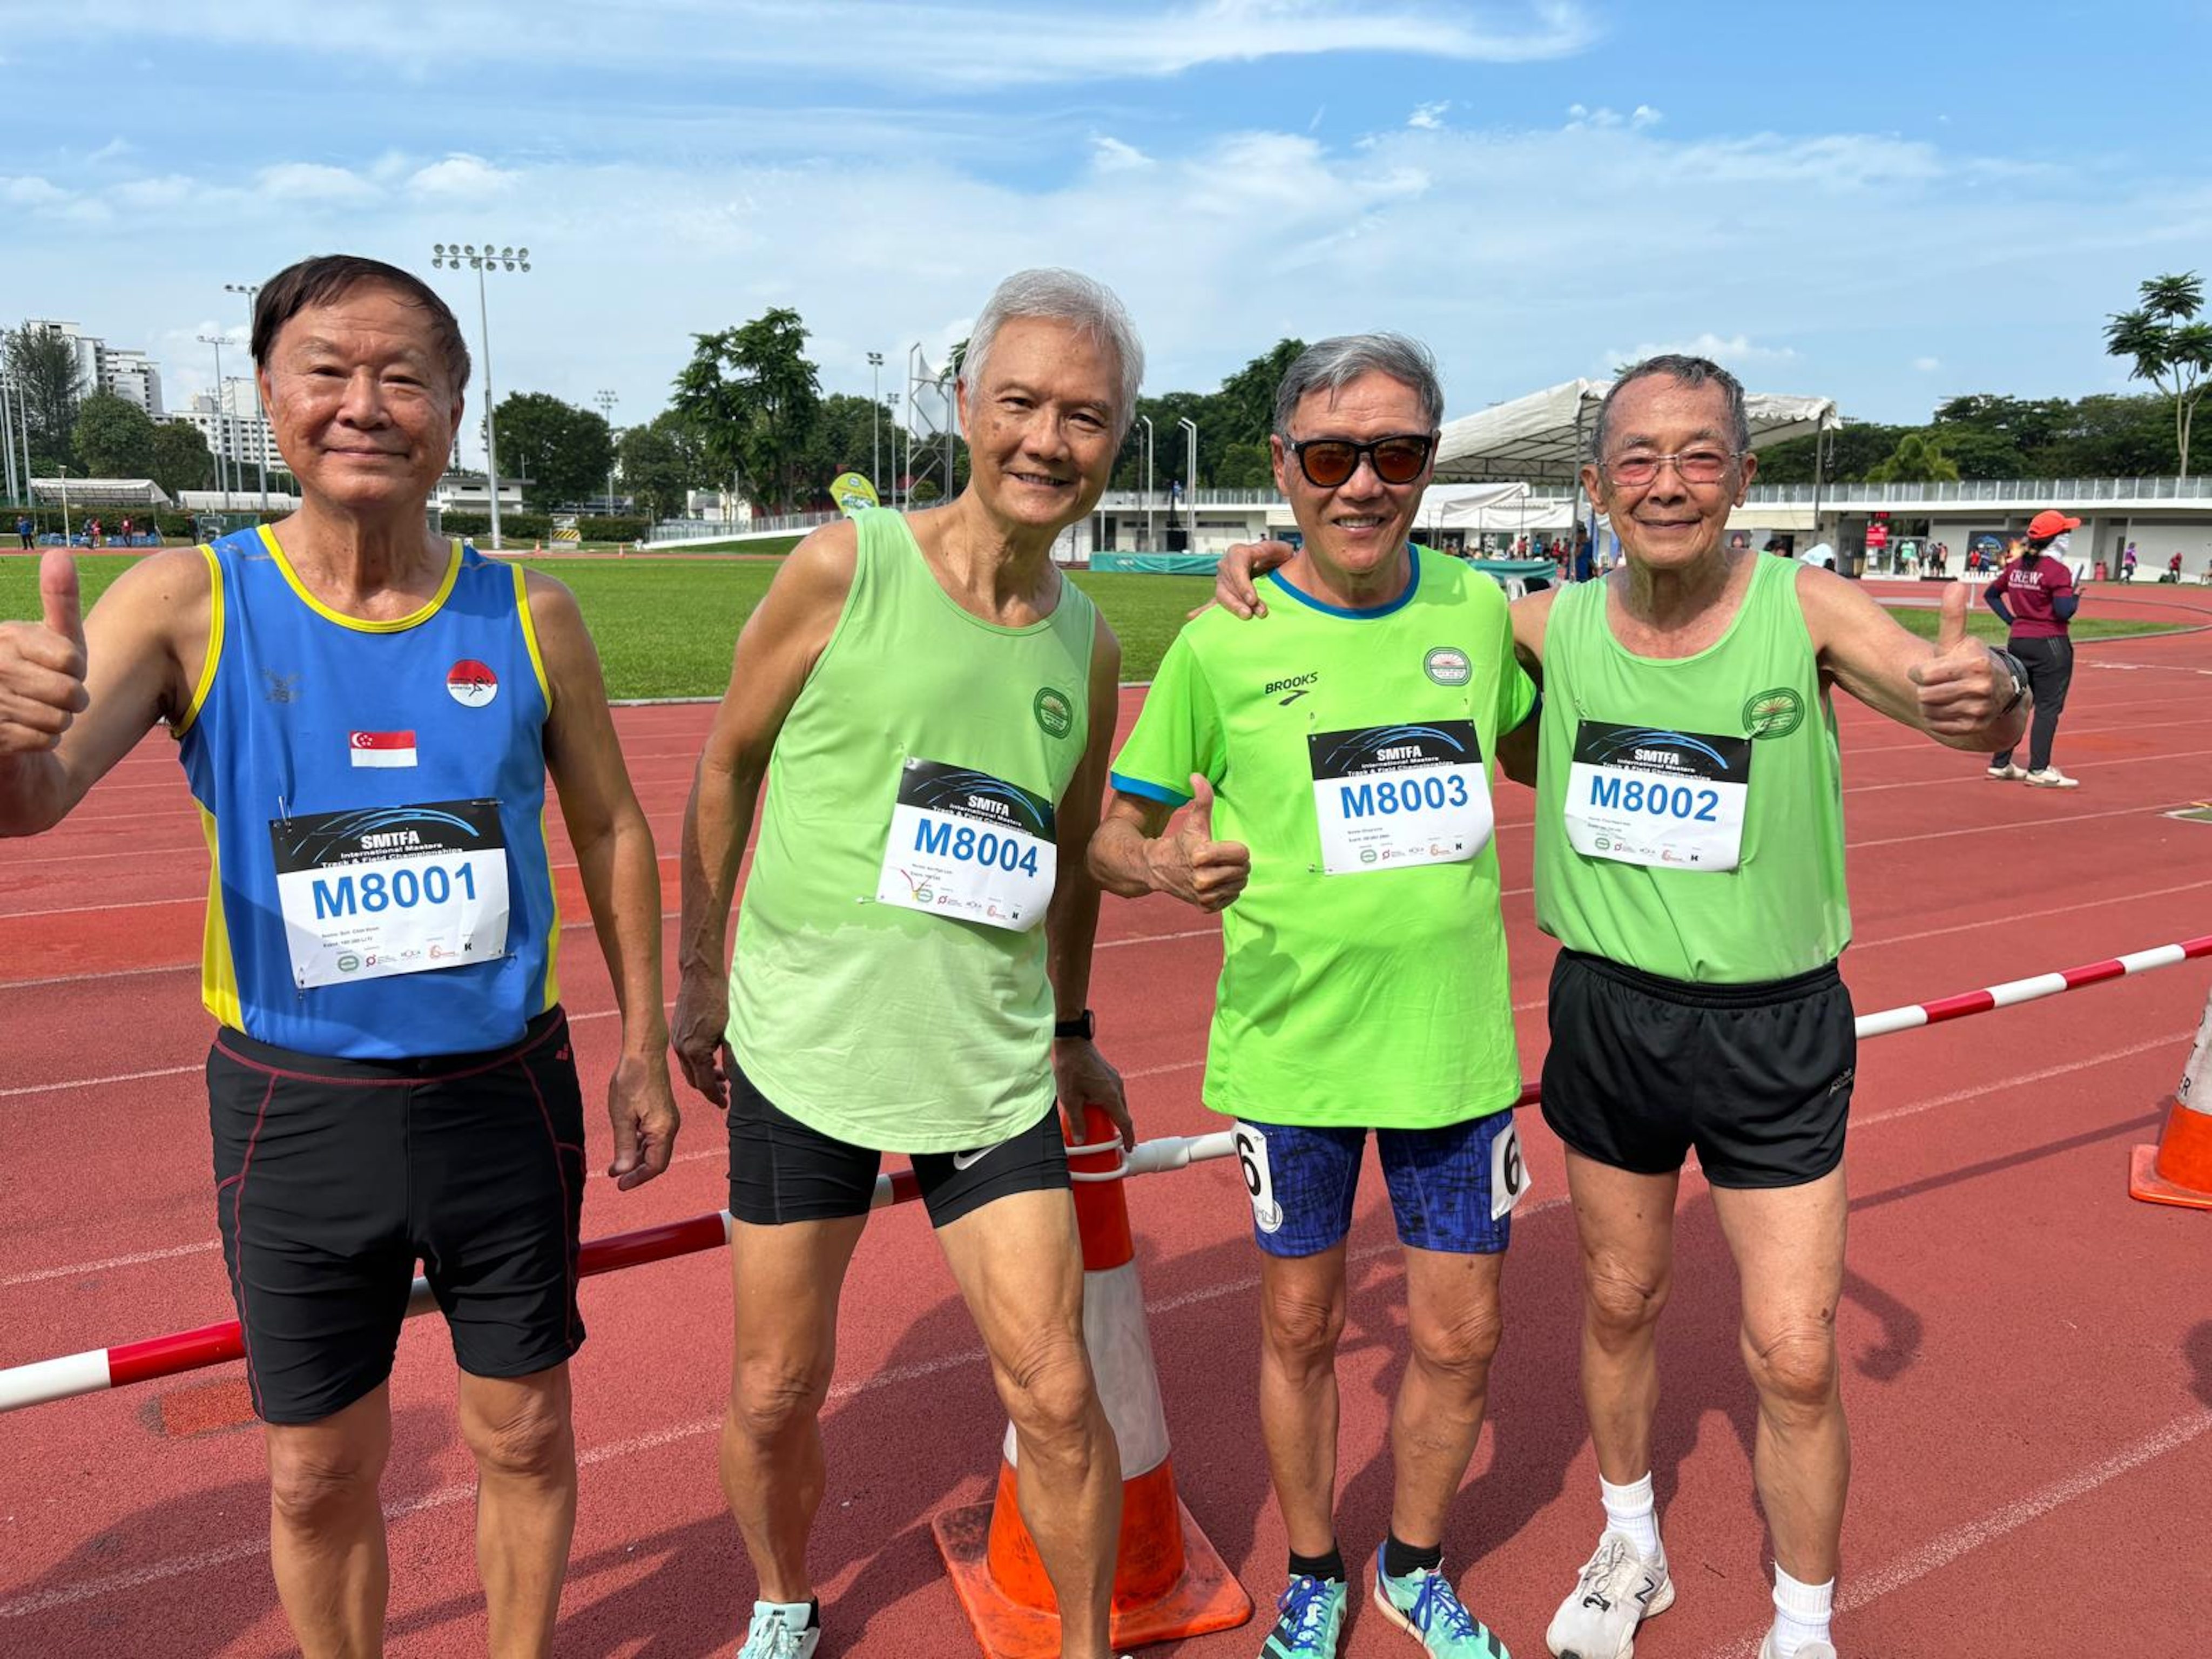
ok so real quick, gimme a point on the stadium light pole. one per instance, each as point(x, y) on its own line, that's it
point(876, 418)
point(893, 402)
point(23, 423)
point(606, 400)
point(7, 442)
point(260, 421)
point(451, 256)
point(1190, 485)
point(62, 468)
point(221, 427)
point(1145, 422)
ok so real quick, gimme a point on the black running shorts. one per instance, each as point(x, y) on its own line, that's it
point(782, 1170)
point(334, 1176)
point(1757, 1077)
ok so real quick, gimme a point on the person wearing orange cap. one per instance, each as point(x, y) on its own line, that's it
point(2036, 596)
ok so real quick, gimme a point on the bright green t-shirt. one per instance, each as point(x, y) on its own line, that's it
point(1363, 980)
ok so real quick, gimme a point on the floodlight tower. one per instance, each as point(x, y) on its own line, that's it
point(875, 417)
point(1145, 422)
point(260, 418)
point(452, 256)
point(1190, 483)
point(7, 444)
point(222, 429)
point(606, 400)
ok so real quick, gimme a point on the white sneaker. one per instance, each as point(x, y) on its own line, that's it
point(2052, 778)
point(2008, 772)
point(1810, 1651)
point(1617, 1590)
point(780, 1631)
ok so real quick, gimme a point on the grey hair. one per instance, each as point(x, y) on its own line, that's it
point(1332, 365)
point(1692, 372)
point(1061, 296)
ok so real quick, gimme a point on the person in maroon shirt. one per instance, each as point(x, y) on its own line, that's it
point(2036, 596)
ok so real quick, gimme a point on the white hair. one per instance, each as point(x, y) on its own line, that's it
point(1062, 297)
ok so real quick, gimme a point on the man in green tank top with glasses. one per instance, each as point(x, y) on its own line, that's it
point(1690, 861)
point(931, 705)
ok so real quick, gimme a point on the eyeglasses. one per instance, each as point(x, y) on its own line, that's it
point(1702, 466)
point(1328, 462)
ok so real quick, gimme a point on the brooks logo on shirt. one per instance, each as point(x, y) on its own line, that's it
point(1296, 684)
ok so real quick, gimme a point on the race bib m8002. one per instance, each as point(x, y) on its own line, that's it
point(1641, 794)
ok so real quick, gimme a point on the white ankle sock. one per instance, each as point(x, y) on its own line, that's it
point(1801, 1613)
point(1629, 1510)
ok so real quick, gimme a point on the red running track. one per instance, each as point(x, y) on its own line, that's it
point(2028, 1353)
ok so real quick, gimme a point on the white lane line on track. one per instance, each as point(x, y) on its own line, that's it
point(1963, 1540)
point(139, 1260)
point(1972, 776)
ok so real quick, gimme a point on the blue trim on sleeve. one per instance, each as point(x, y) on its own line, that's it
point(1128, 786)
point(1359, 613)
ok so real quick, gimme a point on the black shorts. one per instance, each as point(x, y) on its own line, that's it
point(781, 1170)
point(334, 1176)
point(1757, 1077)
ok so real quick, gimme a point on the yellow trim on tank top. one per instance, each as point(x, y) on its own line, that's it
point(530, 636)
point(398, 625)
point(214, 644)
point(218, 974)
point(553, 926)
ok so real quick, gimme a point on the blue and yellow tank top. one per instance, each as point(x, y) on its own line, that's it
point(374, 799)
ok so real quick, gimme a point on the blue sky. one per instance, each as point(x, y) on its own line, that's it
point(1892, 203)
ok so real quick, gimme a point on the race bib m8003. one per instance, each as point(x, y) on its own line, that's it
point(1390, 797)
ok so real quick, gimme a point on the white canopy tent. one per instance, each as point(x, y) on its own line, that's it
point(1543, 437)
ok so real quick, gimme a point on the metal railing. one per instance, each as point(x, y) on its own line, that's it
point(679, 530)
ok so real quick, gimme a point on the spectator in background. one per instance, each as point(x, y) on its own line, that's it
point(23, 530)
point(2036, 597)
point(2128, 564)
point(1584, 566)
point(2173, 566)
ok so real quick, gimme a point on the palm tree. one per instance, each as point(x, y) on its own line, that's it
point(2172, 349)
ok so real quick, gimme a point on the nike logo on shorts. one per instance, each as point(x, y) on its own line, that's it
point(970, 1160)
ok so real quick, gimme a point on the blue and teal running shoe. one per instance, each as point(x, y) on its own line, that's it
point(1425, 1607)
point(1310, 1618)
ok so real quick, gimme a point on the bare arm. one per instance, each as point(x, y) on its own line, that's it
point(776, 651)
point(621, 875)
point(77, 694)
point(1071, 921)
point(1134, 853)
point(1236, 581)
point(1517, 749)
point(1956, 689)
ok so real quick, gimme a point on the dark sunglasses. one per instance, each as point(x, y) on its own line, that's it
point(1328, 462)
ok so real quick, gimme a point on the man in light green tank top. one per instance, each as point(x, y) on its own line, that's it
point(1690, 859)
point(931, 704)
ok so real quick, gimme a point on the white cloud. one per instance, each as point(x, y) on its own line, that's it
point(1429, 117)
point(113, 150)
point(459, 178)
point(1112, 156)
point(312, 181)
point(1730, 352)
point(1927, 365)
point(969, 43)
point(32, 192)
point(1644, 116)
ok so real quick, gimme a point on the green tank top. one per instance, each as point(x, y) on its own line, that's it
point(1690, 814)
point(888, 987)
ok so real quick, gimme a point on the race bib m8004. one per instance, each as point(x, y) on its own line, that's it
point(968, 846)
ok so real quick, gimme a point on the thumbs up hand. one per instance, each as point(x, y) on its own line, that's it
point(42, 664)
point(1190, 864)
point(1962, 685)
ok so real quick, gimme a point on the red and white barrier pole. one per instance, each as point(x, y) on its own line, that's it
point(98, 1369)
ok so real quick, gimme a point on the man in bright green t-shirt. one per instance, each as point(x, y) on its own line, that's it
point(1342, 752)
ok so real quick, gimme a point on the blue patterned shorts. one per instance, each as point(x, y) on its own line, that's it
point(1451, 1189)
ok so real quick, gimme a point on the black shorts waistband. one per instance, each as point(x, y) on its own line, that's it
point(372, 1073)
point(1746, 995)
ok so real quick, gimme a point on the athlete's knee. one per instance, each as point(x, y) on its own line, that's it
point(1793, 1364)
point(771, 1394)
point(1461, 1342)
point(316, 1484)
point(1622, 1299)
point(522, 1436)
point(1302, 1327)
point(1047, 1387)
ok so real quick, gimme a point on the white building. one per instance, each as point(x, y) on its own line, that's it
point(129, 375)
point(242, 440)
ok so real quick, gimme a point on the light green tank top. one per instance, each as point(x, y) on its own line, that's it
point(1690, 814)
point(888, 987)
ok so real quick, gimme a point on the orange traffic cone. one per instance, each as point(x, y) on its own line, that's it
point(2178, 1170)
point(1168, 1583)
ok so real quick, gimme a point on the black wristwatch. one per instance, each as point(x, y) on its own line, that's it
point(1081, 1029)
point(2017, 670)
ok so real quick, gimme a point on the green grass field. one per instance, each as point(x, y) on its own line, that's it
point(665, 626)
